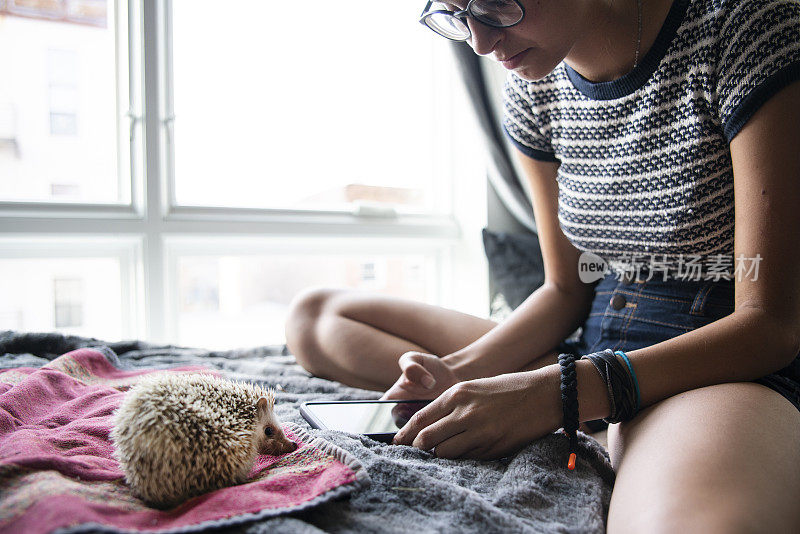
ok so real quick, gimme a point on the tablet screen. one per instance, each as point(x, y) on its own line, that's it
point(368, 417)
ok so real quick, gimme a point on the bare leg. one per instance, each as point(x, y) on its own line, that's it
point(356, 338)
point(717, 459)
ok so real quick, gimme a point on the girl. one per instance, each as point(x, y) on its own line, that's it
point(662, 137)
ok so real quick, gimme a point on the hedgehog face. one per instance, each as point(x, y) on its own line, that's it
point(270, 438)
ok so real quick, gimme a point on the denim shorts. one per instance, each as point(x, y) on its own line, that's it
point(631, 313)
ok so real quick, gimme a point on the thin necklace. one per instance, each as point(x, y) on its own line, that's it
point(639, 35)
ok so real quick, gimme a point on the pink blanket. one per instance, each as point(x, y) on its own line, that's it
point(57, 469)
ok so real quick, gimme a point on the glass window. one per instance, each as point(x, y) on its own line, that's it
point(68, 297)
point(79, 296)
point(234, 300)
point(346, 107)
point(332, 106)
point(61, 100)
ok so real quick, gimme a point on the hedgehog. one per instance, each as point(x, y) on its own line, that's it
point(180, 435)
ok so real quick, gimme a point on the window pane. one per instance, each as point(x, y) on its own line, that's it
point(80, 296)
point(69, 299)
point(59, 104)
point(337, 107)
point(238, 301)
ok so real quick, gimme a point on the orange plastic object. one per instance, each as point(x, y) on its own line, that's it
point(572, 458)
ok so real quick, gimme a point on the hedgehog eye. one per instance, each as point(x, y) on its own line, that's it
point(269, 431)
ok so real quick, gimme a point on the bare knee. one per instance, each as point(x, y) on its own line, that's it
point(311, 302)
point(306, 311)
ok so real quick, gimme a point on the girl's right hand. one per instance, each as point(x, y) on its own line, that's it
point(424, 376)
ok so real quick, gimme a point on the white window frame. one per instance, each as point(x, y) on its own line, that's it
point(152, 219)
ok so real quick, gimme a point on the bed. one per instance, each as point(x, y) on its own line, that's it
point(377, 487)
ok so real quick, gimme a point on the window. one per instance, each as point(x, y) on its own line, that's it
point(68, 296)
point(63, 101)
point(62, 70)
point(244, 287)
point(172, 171)
point(76, 286)
point(317, 113)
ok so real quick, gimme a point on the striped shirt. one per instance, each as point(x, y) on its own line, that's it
point(645, 164)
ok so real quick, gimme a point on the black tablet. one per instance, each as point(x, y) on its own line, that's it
point(378, 419)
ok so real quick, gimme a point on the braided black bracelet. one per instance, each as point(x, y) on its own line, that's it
point(569, 400)
point(620, 384)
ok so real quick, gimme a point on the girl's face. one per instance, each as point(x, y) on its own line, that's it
point(536, 45)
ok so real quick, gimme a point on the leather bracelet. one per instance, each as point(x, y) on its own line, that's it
point(622, 397)
point(633, 375)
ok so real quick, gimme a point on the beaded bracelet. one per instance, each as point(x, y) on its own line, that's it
point(622, 387)
point(569, 400)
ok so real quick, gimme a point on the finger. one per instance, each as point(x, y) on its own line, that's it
point(420, 420)
point(397, 392)
point(390, 394)
point(487, 450)
point(403, 389)
point(409, 357)
point(417, 374)
point(459, 445)
point(477, 453)
point(501, 448)
point(413, 366)
point(434, 435)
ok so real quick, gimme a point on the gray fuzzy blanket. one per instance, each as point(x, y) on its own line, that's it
point(410, 491)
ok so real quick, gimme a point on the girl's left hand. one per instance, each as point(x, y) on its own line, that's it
point(424, 376)
point(488, 418)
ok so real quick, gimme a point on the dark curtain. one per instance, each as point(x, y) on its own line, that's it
point(515, 260)
point(502, 174)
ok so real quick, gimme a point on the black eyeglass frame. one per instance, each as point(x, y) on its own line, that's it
point(462, 15)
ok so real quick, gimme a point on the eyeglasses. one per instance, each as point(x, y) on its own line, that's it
point(453, 25)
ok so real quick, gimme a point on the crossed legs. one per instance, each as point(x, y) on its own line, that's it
point(356, 338)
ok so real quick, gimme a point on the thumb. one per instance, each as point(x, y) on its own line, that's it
point(413, 366)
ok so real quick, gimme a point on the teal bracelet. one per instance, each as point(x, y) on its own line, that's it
point(633, 374)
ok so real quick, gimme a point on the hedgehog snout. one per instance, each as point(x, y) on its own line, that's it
point(286, 446)
point(291, 446)
point(273, 440)
point(277, 446)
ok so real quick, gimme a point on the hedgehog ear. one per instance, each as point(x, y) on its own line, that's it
point(263, 405)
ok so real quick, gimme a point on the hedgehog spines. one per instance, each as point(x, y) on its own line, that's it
point(179, 435)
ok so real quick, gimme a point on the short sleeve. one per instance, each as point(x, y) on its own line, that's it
point(759, 55)
point(521, 123)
